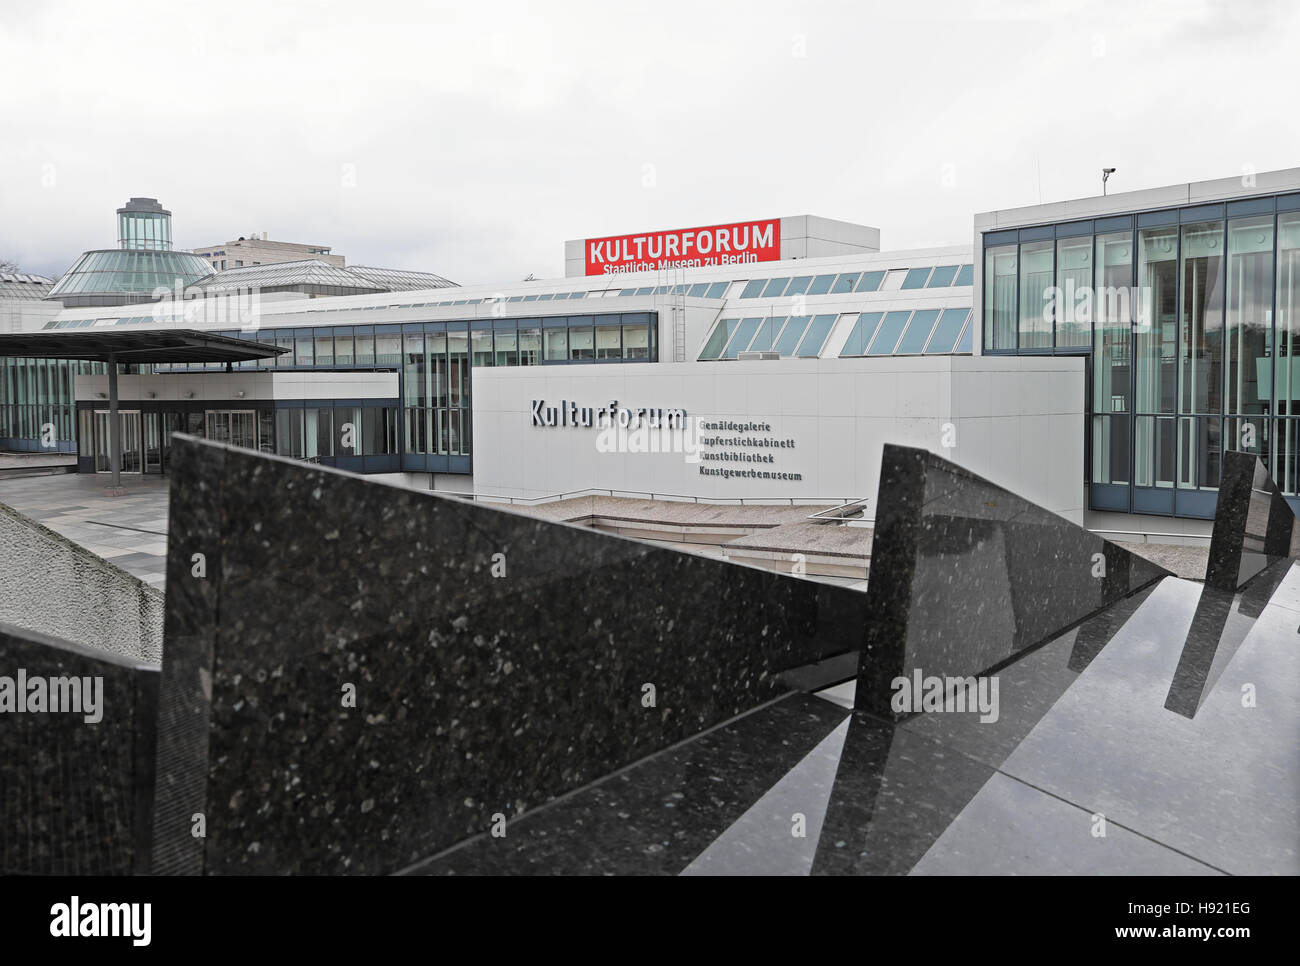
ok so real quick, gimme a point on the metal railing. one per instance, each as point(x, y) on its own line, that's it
point(852, 514)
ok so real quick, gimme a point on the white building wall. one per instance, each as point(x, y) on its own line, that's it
point(1016, 421)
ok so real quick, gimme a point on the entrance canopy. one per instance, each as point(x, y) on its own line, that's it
point(170, 345)
point(135, 348)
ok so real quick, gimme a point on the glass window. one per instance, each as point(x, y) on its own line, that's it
point(530, 347)
point(798, 286)
point(918, 332)
point(636, 342)
point(1112, 312)
point(481, 347)
point(582, 343)
point(718, 289)
point(775, 287)
point(844, 283)
point(458, 385)
point(1074, 300)
point(753, 289)
point(812, 343)
point(740, 341)
point(890, 329)
point(718, 338)
point(946, 332)
point(343, 347)
point(766, 335)
point(1287, 463)
point(821, 284)
point(1000, 298)
point(870, 281)
point(698, 290)
point(965, 275)
point(916, 278)
point(862, 332)
point(557, 344)
point(1201, 319)
point(1250, 317)
point(365, 349)
point(967, 341)
point(609, 343)
point(506, 344)
point(324, 350)
point(388, 349)
point(306, 352)
point(1035, 295)
point(942, 276)
point(794, 329)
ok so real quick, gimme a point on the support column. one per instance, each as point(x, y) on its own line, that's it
point(114, 426)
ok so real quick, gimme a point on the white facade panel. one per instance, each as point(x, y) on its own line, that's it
point(1017, 421)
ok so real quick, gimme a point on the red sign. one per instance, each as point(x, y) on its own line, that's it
point(737, 244)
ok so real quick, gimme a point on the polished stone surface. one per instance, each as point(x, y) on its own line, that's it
point(965, 575)
point(498, 661)
point(75, 794)
point(1254, 526)
point(1085, 770)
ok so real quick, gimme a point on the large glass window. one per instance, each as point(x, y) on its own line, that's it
point(1286, 439)
point(918, 332)
point(557, 344)
point(1154, 356)
point(1035, 293)
point(812, 343)
point(1249, 318)
point(718, 338)
point(863, 330)
point(481, 347)
point(946, 332)
point(636, 342)
point(506, 342)
point(530, 347)
point(740, 341)
point(766, 334)
point(1201, 319)
point(892, 327)
point(1000, 297)
point(791, 334)
point(609, 343)
point(1111, 358)
point(582, 343)
point(1074, 295)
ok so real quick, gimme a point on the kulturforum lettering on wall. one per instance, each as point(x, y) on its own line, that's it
point(737, 244)
point(625, 429)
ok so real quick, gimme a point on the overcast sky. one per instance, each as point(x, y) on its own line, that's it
point(472, 139)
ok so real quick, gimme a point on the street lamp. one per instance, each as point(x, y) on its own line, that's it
point(1105, 176)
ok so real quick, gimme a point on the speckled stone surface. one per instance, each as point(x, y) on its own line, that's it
point(1083, 735)
point(965, 575)
point(476, 695)
point(76, 796)
point(1254, 526)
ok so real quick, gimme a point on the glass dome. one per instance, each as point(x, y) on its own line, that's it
point(116, 277)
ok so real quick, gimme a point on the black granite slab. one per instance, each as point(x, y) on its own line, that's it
point(1083, 743)
point(76, 795)
point(1254, 526)
point(476, 695)
point(660, 816)
point(965, 575)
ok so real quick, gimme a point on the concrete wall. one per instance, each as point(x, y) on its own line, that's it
point(1016, 421)
point(55, 587)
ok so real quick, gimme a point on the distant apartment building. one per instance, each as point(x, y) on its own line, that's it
point(246, 251)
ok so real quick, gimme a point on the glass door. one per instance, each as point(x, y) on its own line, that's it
point(153, 442)
point(132, 443)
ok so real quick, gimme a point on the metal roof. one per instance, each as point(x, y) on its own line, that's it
point(170, 345)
